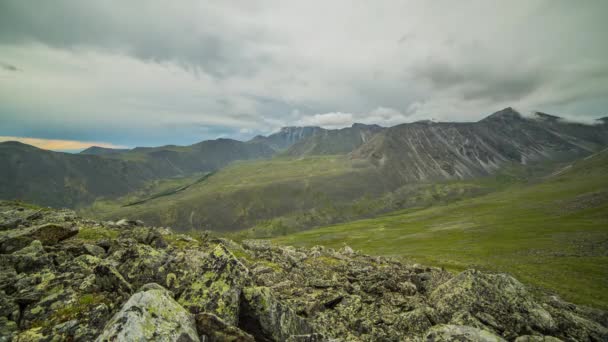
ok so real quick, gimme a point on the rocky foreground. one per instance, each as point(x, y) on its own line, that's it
point(64, 278)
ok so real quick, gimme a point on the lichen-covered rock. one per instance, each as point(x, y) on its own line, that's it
point(68, 289)
point(533, 338)
point(49, 234)
point(151, 315)
point(218, 287)
point(214, 329)
point(267, 318)
point(460, 333)
point(497, 300)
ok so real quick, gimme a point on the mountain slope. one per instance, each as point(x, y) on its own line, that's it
point(96, 150)
point(427, 151)
point(287, 136)
point(62, 179)
point(338, 141)
point(552, 233)
point(395, 168)
point(244, 193)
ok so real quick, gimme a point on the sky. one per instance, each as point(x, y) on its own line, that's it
point(153, 72)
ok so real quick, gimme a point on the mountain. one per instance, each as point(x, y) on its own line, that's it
point(287, 136)
point(338, 141)
point(98, 151)
point(427, 151)
point(66, 278)
point(395, 168)
point(63, 179)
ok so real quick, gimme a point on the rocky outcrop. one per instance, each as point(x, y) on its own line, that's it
point(110, 282)
point(151, 315)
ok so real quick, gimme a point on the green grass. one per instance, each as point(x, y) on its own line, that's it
point(241, 194)
point(552, 235)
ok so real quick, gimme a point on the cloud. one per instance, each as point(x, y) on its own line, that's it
point(8, 67)
point(327, 120)
point(59, 145)
point(154, 72)
point(381, 116)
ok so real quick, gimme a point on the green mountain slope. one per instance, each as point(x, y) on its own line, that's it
point(74, 180)
point(553, 234)
point(244, 193)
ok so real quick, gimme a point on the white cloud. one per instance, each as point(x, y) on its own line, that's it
point(327, 120)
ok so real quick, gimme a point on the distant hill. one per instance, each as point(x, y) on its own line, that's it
point(72, 180)
point(98, 151)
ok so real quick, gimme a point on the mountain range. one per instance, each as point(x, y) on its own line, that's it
point(373, 159)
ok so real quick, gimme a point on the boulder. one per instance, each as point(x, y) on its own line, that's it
point(267, 319)
point(213, 329)
point(94, 250)
point(498, 301)
point(460, 333)
point(151, 315)
point(218, 288)
point(47, 234)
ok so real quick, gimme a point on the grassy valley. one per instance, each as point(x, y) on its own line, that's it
point(244, 193)
point(552, 234)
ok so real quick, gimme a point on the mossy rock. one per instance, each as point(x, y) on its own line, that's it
point(218, 288)
point(268, 319)
point(151, 315)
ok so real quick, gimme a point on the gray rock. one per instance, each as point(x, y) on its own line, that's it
point(213, 329)
point(218, 288)
point(94, 250)
point(47, 234)
point(460, 333)
point(151, 315)
point(533, 338)
point(267, 319)
point(497, 300)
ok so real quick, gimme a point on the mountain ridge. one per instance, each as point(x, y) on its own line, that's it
point(405, 153)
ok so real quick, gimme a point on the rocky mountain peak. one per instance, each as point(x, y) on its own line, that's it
point(505, 115)
point(70, 279)
point(365, 126)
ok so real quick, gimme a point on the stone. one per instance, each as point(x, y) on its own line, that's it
point(267, 319)
point(47, 234)
point(151, 315)
point(94, 250)
point(533, 338)
point(218, 289)
point(213, 329)
point(257, 245)
point(107, 278)
point(497, 300)
point(452, 333)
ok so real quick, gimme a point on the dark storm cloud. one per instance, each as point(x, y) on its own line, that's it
point(150, 30)
point(476, 81)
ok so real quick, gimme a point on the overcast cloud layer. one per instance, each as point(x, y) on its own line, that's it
point(156, 72)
